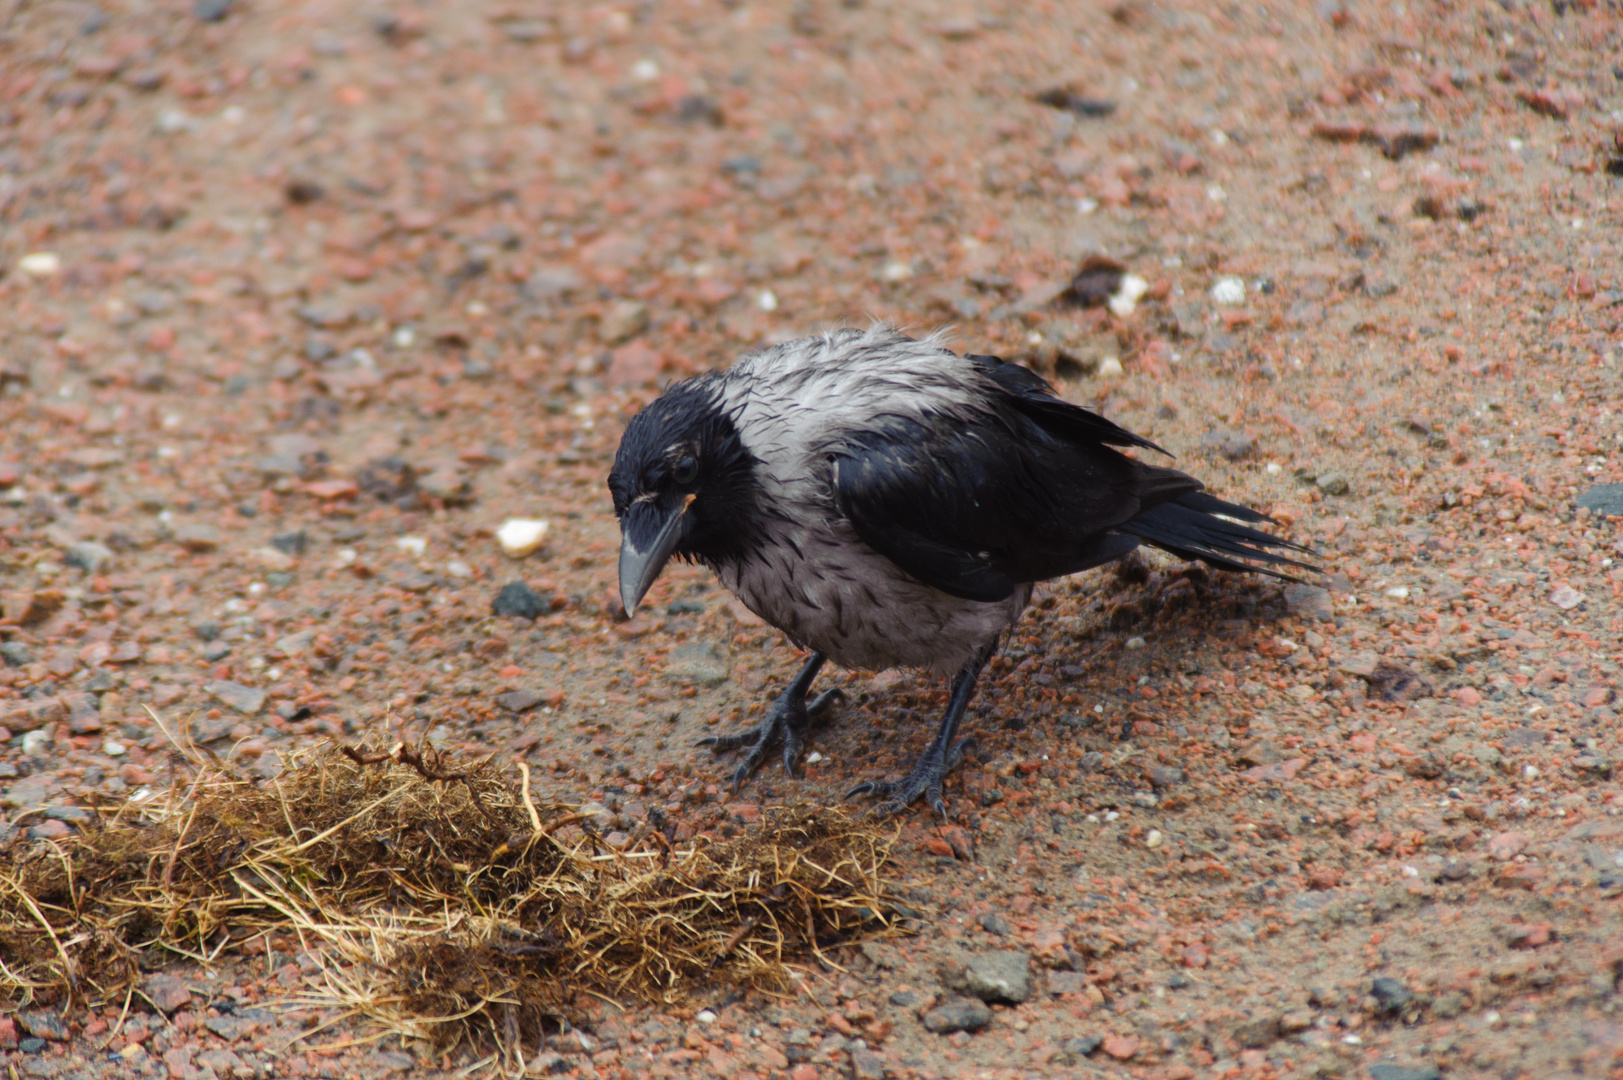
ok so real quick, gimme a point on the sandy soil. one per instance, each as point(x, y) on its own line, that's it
point(301, 302)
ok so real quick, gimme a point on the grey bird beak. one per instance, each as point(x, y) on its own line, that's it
point(646, 543)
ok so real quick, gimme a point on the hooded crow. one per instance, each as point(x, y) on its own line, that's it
point(887, 503)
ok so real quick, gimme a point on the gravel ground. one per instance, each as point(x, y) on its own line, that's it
point(304, 301)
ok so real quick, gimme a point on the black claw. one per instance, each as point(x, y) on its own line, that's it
point(922, 781)
point(786, 722)
point(723, 743)
point(869, 787)
point(822, 701)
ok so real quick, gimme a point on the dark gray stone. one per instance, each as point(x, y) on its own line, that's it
point(1002, 976)
point(290, 543)
point(519, 601)
point(1390, 994)
point(211, 10)
point(866, 1065)
point(1605, 500)
point(16, 654)
point(1083, 1046)
point(1309, 602)
point(993, 923)
point(957, 1014)
point(215, 651)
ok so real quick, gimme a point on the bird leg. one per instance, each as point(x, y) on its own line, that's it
point(788, 720)
point(939, 758)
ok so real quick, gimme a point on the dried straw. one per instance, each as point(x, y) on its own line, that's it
point(442, 901)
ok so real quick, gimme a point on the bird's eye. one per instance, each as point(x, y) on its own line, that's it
point(686, 471)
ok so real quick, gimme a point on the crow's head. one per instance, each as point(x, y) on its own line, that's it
point(683, 485)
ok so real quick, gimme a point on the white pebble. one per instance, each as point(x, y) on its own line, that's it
point(1086, 206)
point(1228, 291)
point(521, 536)
point(113, 748)
point(1127, 295)
point(411, 545)
point(1400, 592)
point(645, 71)
point(1135, 643)
point(705, 1016)
point(1154, 839)
point(898, 271)
point(34, 741)
point(1530, 771)
point(172, 120)
point(458, 569)
point(814, 757)
point(345, 556)
point(1109, 368)
point(404, 337)
point(40, 263)
point(766, 300)
point(1274, 468)
point(1216, 194)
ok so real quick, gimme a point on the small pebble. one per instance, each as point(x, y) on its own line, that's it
point(521, 536)
point(1109, 368)
point(1229, 291)
point(517, 599)
point(1331, 483)
point(1127, 295)
point(40, 263)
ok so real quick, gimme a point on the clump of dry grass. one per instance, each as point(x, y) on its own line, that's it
point(447, 903)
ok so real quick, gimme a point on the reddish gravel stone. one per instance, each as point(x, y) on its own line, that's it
point(1121, 1047)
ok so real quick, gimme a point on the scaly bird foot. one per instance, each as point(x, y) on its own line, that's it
point(786, 721)
point(925, 779)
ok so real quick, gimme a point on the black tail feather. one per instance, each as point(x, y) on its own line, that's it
point(1200, 526)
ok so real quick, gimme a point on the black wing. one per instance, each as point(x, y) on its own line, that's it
point(1029, 488)
point(1024, 489)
